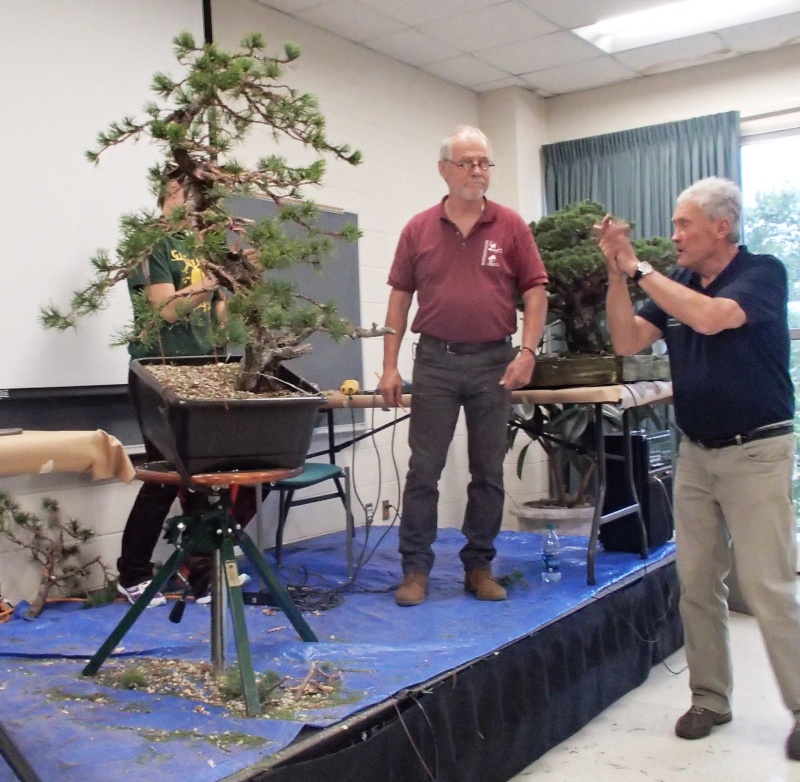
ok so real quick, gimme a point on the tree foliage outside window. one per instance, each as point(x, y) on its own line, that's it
point(772, 225)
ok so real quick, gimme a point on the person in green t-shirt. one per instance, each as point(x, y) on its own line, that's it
point(170, 275)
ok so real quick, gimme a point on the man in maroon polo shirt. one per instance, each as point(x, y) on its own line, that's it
point(464, 258)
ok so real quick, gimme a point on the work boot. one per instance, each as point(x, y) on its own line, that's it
point(412, 591)
point(482, 584)
point(793, 742)
point(697, 722)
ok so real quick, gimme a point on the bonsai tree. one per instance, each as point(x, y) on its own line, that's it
point(199, 120)
point(54, 545)
point(577, 272)
point(576, 298)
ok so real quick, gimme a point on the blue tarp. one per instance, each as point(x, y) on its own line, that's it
point(70, 728)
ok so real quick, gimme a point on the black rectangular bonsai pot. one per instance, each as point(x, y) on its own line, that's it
point(201, 436)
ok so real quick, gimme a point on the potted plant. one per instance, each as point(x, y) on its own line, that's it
point(199, 120)
point(576, 300)
point(566, 435)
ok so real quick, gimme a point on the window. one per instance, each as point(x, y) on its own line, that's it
point(771, 192)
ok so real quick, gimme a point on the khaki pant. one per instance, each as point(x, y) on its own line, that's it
point(740, 496)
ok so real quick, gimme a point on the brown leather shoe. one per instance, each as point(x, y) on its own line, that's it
point(482, 584)
point(412, 591)
point(697, 722)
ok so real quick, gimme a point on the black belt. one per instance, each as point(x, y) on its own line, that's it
point(464, 348)
point(762, 433)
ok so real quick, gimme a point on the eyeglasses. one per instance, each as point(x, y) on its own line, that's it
point(467, 164)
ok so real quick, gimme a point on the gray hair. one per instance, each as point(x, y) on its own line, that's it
point(463, 132)
point(718, 198)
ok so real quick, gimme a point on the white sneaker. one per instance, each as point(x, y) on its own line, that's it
point(206, 598)
point(135, 592)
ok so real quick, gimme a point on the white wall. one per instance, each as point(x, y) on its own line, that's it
point(515, 121)
point(68, 71)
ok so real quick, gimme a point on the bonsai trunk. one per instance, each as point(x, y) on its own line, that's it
point(580, 304)
point(258, 371)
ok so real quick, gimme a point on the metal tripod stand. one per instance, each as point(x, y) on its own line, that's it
point(215, 532)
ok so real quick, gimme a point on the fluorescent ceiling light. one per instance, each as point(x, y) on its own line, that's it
point(679, 20)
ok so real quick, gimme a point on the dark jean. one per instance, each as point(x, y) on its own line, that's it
point(442, 384)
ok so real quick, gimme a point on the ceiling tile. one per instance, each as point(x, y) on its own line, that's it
point(465, 70)
point(413, 47)
point(672, 55)
point(289, 6)
point(767, 34)
point(486, 44)
point(509, 81)
point(350, 19)
point(489, 27)
point(546, 51)
point(418, 12)
point(579, 76)
point(570, 14)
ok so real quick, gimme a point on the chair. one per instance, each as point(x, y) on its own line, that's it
point(312, 474)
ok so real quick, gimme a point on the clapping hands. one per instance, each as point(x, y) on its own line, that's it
point(614, 238)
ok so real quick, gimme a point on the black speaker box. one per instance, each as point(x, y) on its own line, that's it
point(651, 454)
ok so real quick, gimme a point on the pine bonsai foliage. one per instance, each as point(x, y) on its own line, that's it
point(577, 272)
point(55, 546)
point(199, 120)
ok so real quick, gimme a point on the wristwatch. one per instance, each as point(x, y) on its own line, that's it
point(643, 268)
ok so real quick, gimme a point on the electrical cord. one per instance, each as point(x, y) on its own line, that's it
point(321, 598)
point(675, 673)
point(368, 514)
point(668, 499)
point(306, 597)
point(312, 599)
point(413, 745)
point(657, 479)
point(364, 557)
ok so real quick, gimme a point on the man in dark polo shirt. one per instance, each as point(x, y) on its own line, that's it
point(464, 258)
point(723, 316)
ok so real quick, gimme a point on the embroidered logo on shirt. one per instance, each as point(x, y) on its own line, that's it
point(192, 273)
point(491, 253)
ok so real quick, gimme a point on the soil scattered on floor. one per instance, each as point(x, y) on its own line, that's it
point(281, 698)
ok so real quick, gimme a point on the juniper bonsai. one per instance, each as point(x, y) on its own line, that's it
point(199, 120)
point(577, 272)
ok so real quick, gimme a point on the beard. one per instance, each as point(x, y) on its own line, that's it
point(473, 190)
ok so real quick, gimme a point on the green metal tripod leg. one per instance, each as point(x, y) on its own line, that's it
point(268, 577)
point(135, 611)
point(236, 605)
point(206, 532)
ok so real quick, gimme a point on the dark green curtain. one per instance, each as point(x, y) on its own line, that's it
point(637, 174)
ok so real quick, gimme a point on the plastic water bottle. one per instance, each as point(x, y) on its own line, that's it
point(551, 556)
